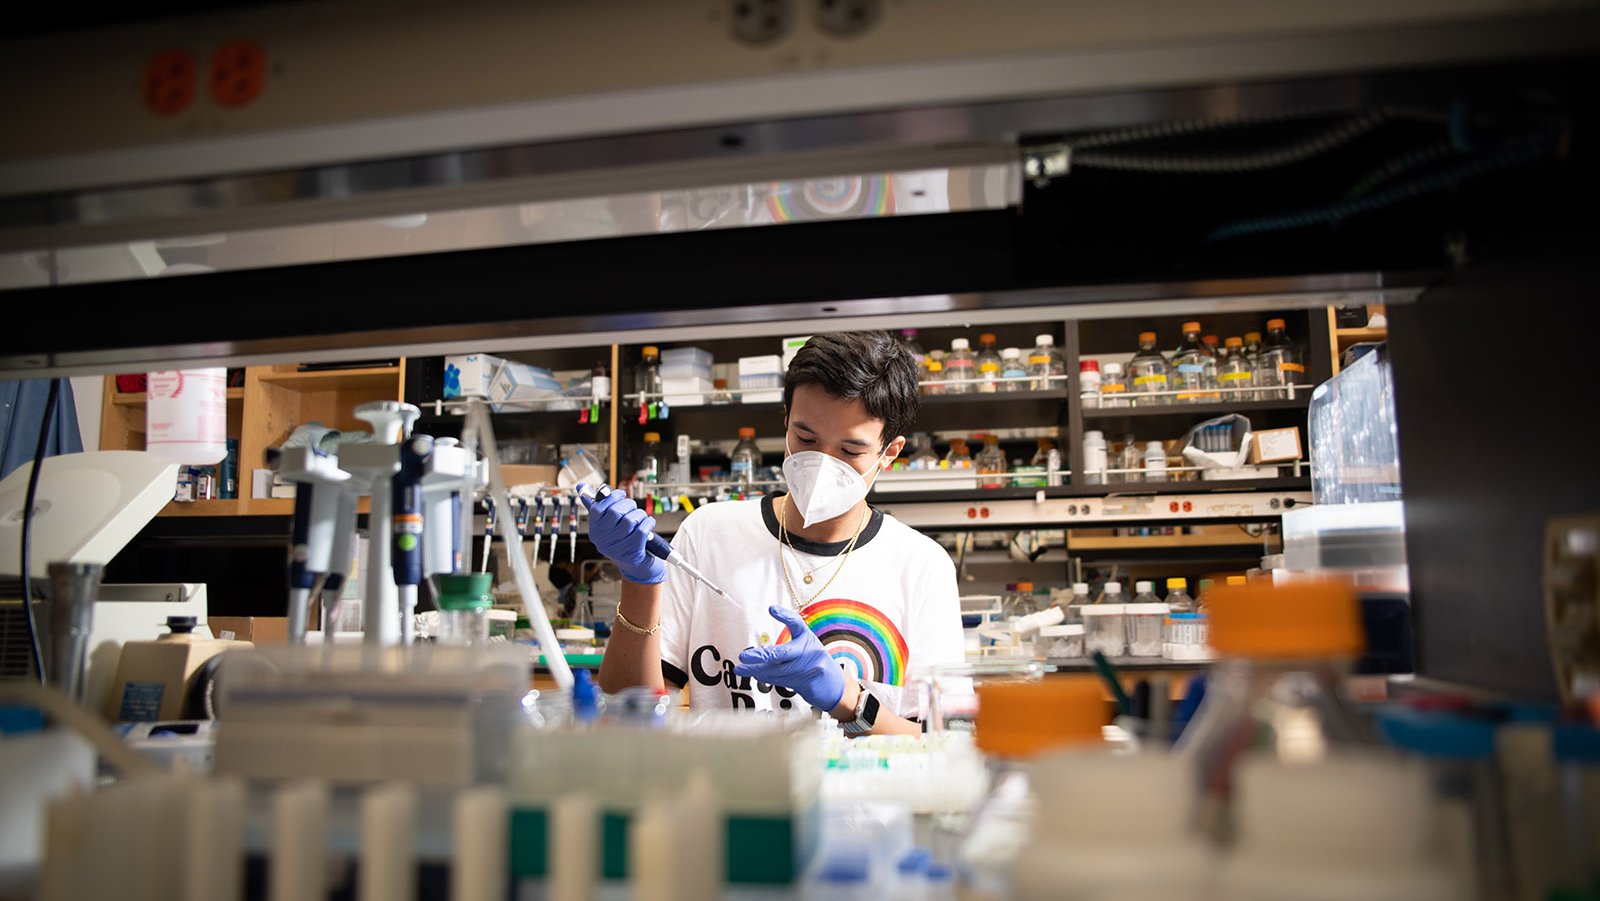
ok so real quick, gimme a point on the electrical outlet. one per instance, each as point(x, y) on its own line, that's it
point(169, 82)
point(238, 69)
point(846, 18)
point(760, 21)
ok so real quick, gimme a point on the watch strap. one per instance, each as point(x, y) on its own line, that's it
point(867, 707)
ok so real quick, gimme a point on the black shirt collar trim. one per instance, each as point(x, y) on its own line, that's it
point(818, 548)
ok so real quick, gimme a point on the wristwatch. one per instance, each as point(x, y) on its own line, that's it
point(866, 713)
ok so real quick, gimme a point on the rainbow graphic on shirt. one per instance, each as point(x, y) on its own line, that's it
point(860, 636)
point(830, 198)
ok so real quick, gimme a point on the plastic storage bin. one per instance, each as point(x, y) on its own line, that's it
point(1062, 641)
point(1104, 629)
point(1145, 623)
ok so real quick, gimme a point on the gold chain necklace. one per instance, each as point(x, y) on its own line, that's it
point(783, 539)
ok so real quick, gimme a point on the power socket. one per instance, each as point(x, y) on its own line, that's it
point(846, 18)
point(760, 21)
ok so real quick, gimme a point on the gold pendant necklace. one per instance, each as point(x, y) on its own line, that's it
point(783, 539)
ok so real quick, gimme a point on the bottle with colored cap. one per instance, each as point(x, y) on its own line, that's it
point(746, 458)
point(1046, 364)
point(1235, 372)
point(960, 368)
point(1283, 652)
point(647, 376)
point(1280, 364)
point(464, 603)
point(988, 364)
point(1147, 373)
point(1189, 366)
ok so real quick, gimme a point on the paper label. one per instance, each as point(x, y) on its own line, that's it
point(1113, 388)
point(1291, 367)
point(1191, 368)
point(1149, 380)
point(1233, 376)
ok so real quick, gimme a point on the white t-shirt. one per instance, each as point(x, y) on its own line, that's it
point(891, 612)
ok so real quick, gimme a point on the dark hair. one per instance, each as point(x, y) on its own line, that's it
point(871, 366)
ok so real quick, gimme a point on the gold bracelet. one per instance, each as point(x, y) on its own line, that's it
point(638, 630)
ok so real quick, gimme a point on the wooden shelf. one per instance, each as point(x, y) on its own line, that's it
point(284, 506)
point(219, 507)
point(139, 398)
point(336, 379)
point(1347, 336)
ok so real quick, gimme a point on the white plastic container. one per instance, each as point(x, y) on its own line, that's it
point(1155, 462)
point(187, 416)
point(1144, 623)
point(1061, 641)
point(1187, 637)
point(1094, 457)
point(1104, 629)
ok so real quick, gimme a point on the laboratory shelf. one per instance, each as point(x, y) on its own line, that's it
point(375, 377)
point(936, 413)
point(1127, 664)
point(212, 507)
point(1121, 489)
point(140, 398)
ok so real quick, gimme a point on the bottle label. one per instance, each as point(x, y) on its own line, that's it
point(1015, 373)
point(1233, 376)
point(1291, 367)
point(741, 468)
point(989, 369)
point(1191, 368)
point(1150, 379)
point(960, 364)
point(1113, 388)
point(1038, 360)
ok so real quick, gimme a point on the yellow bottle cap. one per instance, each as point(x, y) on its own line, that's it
point(1237, 580)
point(1311, 619)
point(1009, 723)
point(1177, 583)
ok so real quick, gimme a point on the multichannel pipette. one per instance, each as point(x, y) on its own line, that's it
point(581, 475)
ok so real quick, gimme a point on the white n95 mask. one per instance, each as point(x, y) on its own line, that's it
point(822, 486)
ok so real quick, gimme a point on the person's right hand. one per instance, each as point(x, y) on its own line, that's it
point(618, 529)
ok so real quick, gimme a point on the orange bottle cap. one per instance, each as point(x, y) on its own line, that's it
point(1191, 326)
point(650, 350)
point(1009, 723)
point(747, 432)
point(1311, 619)
point(1209, 339)
point(650, 437)
point(1147, 337)
point(1233, 342)
point(1252, 337)
point(1274, 324)
point(986, 338)
point(1024, 586)
point(1237, 580)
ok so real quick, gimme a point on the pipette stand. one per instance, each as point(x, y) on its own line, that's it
point(375, 465)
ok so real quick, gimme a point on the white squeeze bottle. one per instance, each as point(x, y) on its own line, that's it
point(186, 419)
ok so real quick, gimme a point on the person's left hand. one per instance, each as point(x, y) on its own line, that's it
point(801, 664)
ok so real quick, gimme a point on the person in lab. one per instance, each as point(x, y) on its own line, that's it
point(834, 603)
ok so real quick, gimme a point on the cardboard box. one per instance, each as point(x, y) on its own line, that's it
point(257, 629)
point(469, 375)
point(519, 381)
point(1275, 446)
point(528, 474)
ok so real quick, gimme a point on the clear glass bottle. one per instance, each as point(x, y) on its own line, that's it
point(1252, 347)
point(958, 457)
point(600, 383)
point(1178, 600)
point(1235, 372)
point(1189, 366)
point(960, 368)
point(1155, 462)
point(908, 340)
point(991, 461)
point(1013, 368)
point(1281, 363)
point(1276, 690)
point(922, 454)
point(745, 460)
point(651, 463)
point(1080, 599)
point(1131, 459)
point(933, 373)
point(988, 364)
point(1046, 364)
point(1213, 364)
point(463, 600)
point(1147, 372)
point(1113, 387)
point(647, 375)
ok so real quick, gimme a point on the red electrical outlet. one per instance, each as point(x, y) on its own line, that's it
point(238, 70)
point(169, 82)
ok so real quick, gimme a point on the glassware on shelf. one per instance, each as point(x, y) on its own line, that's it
point(600, 383)
point(1113, 387)
point(922, 454)
point(1155, 462)
point(1178, 599)
point(1252, 348)
point(651, 463)
point(720, 393)
point(746, 457)
point(1013, 368)
point(1094, 457)
point(1189, 363)
point(908, 340)
point(1131, 460)
point(1235, 371)
point(1147, 372)
point(647, 375)
point(933, 373)
point(958, 457)
point(1281, 363)
point(1049, 457)
point(960, 368)
point(988, 365)
point(1089, 382)
point(1046, 364)
point(991, 462)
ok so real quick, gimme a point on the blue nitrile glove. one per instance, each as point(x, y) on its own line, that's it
point(618, 529)
point(801, 663)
